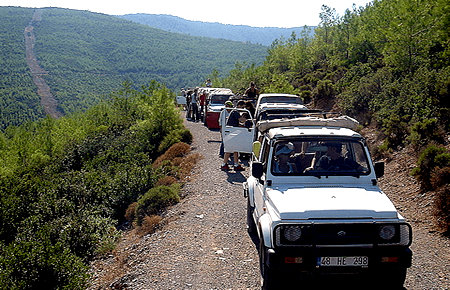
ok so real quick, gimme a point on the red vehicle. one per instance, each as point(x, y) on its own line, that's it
point(215, 102)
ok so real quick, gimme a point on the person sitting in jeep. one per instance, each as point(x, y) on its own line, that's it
point(282, 162)
point(334, 161)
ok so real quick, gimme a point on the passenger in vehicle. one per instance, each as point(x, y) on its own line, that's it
point(282, 160)
point(334, 161)
point(302, 159)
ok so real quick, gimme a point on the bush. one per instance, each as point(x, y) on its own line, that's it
point(443, 207)
point(432, 158)
point(156, 200)
point(175, 136)
point(425, 132)
point(130, 213)
point(166, 180)
point(176, 150)
point(149, 224)
point(40, 264)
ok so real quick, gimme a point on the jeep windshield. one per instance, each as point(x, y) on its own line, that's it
point(282, 100)
point(219, 99)
point(320, 157)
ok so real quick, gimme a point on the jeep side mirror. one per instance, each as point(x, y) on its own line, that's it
point(257, 169)
point(379, 169)
point(256, 148)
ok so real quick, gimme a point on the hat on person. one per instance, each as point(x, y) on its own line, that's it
point(229, 104)
point(287, 148)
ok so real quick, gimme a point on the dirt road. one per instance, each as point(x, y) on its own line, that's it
point(48, 101)
point(205, 245)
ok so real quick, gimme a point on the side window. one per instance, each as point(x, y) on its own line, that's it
point(265, 153)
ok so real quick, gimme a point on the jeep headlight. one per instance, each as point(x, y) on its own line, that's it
point(387, 232)
point(292, 233)
point(394, 234)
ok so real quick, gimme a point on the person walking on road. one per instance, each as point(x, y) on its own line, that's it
point(252, 91)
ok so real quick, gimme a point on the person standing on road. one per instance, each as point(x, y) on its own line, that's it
point(252, 91)
point(234, 120)
point(194, 106)
point(202, 103)
point(249, 106)
point(223, 116)
point(188, 104)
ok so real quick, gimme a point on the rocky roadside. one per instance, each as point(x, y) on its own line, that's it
point(203, 242)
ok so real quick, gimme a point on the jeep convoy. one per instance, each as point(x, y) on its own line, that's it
point(313, 200)
point(315, 206)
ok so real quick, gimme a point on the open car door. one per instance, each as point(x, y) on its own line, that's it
point(238, 139)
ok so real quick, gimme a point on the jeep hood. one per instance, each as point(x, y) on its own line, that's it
point(331, 203)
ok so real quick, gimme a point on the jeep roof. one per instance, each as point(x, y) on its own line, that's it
point(303, 131)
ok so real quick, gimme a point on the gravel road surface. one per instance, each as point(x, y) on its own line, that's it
point(203, 243)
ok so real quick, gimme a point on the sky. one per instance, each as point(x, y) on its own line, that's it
point(260, 13)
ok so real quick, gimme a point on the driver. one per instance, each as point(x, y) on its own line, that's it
point(334, 161)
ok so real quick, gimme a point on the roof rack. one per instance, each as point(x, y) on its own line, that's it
point(323, 119)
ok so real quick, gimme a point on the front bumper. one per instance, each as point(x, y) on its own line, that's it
point(305, 259)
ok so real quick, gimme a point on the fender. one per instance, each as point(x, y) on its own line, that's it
point(249, 189)
point(265, 231)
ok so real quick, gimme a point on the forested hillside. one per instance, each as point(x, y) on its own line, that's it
point(388, 65)
point(244, 33)
point(88, 55)
point(18, 96)
point(65, 184)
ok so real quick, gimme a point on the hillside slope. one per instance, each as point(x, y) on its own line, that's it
point(88, 55)
point(244, 33)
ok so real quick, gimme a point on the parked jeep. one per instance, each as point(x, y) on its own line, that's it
point(315, 206)
point(215, 103)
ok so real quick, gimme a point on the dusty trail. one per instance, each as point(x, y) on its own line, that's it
point(204, 243)
point(48, 101)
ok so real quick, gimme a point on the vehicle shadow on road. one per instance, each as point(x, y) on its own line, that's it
point(235, 177)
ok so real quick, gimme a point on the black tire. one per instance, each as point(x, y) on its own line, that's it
point(269, 277)
point(394, 278)
point(251, 226)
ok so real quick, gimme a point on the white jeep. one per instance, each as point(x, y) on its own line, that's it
point(314, 205)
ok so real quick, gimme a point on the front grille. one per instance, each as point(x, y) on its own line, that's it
point(339, 234)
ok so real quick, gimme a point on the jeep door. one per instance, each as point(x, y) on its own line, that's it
point(259, 187)
point(238, 139)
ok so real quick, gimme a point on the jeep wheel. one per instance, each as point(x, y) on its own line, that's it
point(394, 278)
point(251, 226)
point(269, 277)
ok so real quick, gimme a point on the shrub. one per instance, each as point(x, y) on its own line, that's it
point(156, 200)
point(130, 213)
point(166, 180)
point(431, 158)
point(396, 130)
point(176, 150)
point(41, 265)
point(425, 132)
point(443, 207)
point(175, 136)
point(149, 224)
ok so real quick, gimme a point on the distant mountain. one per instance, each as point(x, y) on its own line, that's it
point(257, 35)
point(85, 56)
